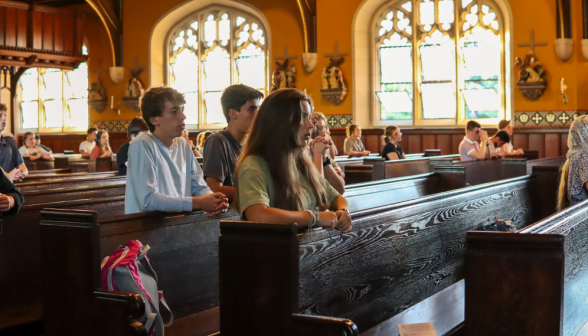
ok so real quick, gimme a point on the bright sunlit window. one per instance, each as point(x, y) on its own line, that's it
point(54, 100)
point(211, 50)
point(440, 62)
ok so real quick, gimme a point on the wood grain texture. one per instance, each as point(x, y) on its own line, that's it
point(21, 28)
point(429, 142)
point(415, 143)
point(552, 145)
point(537, 142)
point(372, 273)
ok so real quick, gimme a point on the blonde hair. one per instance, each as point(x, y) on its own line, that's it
point(562, 192)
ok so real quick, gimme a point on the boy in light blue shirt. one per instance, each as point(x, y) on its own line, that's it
point(163, 174)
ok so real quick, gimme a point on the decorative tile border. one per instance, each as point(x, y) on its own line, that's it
point(546, 118)
point(112, 126)
point(334, 121)
point(339, 120)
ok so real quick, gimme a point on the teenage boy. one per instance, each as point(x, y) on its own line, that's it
point(507, 149)
point(470, 148)
point(10, 159)
point(163, 174)
point(496, 142)
point(240, 104)
point(38, 143)
point(136, 127)
point(87, 145)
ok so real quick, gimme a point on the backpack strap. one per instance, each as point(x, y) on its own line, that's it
point(166, 309)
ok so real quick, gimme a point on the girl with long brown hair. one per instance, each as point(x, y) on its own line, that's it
point(275, 178)
point(102, 148)
point(573, 186)
point(392, 149)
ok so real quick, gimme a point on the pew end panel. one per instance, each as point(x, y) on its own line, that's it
point(263, 257)
point(69, 300)
point(432, 152)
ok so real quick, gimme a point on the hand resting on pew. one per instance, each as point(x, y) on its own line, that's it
point(214, 205)
point(6, 203)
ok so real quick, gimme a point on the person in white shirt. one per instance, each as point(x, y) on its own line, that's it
point(507, 149)
point(87, 146)
point(163, 174)
point(31, 150)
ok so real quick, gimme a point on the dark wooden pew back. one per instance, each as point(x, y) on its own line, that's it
point(65, 175)
point(70, 182)
point(401, 254)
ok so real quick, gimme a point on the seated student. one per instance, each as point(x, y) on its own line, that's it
point(163, 174)
point(31, 150)
point(186, 135)
point(353, 145)
point(573, 185)
point(136, 127)
point(102, 148)
point(87, 146)
point(276, 181)
point(507, 149)
point(322, 151)
point(38, 143)
point(496, 143)
point(11, 198)
point(240, 103)
point(470, 148)
point(201, 140)
point(10, 158)
point(392, 149)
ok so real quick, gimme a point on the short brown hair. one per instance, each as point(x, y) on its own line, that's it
point(235, 96)
point(153, 102)
point(350, 129)
point(136, 126)
point(471, 125)
point(503, 124)
point(3, 107)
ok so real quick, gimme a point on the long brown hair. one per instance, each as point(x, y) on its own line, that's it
point(562, 192)
point(274, 137)
point(389, 131)
point(98, 137)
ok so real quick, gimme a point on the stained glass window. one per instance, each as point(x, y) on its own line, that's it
point(210, 51)
point(458, 70)
point(54, 99)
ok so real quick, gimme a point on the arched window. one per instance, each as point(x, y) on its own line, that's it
point(210, 50)
point(441, 62)
point(54, 100)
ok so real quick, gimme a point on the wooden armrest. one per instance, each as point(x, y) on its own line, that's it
point(310, 325)
point(119, 313)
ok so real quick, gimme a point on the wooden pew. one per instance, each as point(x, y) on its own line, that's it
point(86, 165)
point(344, 160)
point(379, 169)
point(397, 257)
point(377, 193)
point(71, 182)
point(533, 282)
point(64, 176)
point(184, 254)
point(67, 193)
point(20, 256)
point(49, 171)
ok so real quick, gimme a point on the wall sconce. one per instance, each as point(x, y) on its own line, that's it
point(564, 89)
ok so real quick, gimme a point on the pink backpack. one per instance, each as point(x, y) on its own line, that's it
point(128, 270)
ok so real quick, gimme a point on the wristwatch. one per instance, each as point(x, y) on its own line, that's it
point(327, 162)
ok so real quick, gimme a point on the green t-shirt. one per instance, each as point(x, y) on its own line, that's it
point(257, 187)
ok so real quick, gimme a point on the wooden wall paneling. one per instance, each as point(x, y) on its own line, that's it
point(537, 142)
point(520, 141)
point(455, 141)
point(10, 34)
point(2, 20)
point(373, 144)
point(404, 143)
point(79, 26)
point(37, 30)
point(68, 39)
point(414, 144)
point(22, 28)
point(552, 145)
point(48, 31)
point(563, 144)
point(444, 144)
point(58, 33)
point(430, 141)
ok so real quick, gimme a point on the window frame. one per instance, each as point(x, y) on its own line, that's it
point(457, 34)
point(66, 127)
point(231, 48)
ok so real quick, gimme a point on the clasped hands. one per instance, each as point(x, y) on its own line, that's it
point(319, 145)
point(6, 202)
point(335, 220)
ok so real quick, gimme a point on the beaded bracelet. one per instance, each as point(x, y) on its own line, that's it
point(313, 220)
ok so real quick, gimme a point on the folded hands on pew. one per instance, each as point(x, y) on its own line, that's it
point(16, 175)
point(214, 205)
point(6, 202)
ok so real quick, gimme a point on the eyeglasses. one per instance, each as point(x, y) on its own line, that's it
point(477, 132)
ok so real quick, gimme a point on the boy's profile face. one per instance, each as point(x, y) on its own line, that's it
point(171, 123)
